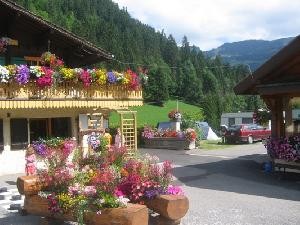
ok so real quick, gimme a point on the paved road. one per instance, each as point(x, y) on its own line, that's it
point(228, 187)
point(225, 187)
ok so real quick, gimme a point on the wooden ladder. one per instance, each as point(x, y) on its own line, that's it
point(129, 128)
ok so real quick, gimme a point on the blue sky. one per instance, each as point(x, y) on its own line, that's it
point(210, 23)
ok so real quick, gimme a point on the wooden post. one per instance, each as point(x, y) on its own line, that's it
point(275, 104)
point(135, 131)
point(289, 126)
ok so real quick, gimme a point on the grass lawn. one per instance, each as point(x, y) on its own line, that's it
point(212, 145)
point(151, 115)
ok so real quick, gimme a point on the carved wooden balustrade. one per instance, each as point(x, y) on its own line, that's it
point(67, 95)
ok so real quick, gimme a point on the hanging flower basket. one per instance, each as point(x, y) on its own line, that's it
point(175, 116)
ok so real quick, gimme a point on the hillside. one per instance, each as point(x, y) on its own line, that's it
point(151, 115)
point(251, 52)
point(174, 72)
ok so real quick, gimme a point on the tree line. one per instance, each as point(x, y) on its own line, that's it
point(175, 72)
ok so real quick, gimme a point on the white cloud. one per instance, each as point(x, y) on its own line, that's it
point(210, 23)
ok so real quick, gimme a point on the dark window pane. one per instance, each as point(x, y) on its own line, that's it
point(19, 133)
point(247, 120)
point(61, 127)
point(231, 121)
point(38, 129)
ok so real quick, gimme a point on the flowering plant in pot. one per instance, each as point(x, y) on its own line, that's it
point(109, 178)
point(284, 148)
point(174, 115)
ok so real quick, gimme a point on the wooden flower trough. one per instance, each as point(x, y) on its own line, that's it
point(170, 207)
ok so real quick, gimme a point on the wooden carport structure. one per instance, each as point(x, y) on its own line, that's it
point(277, 82)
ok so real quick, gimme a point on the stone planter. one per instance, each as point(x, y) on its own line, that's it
point(169, 143)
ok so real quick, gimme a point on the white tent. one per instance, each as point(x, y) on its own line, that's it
point(211, 136)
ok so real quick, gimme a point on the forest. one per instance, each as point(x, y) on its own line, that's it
point(176, 70)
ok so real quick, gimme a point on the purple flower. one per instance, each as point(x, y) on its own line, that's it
point(111, 78)
point(152, 193)
point(22, 75)
point(284, 148)
point(40, 148)
point(94, 141)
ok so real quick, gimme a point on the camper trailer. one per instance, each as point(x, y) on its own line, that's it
point(230, 119)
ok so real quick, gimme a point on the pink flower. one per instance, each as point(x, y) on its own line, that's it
point(74, 190)
point(90, 191)
point(118, 192)
point(174, 190)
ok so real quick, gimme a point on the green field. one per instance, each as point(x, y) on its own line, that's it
point(151, 115)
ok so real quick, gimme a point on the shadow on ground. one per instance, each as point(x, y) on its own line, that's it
point(242, 175)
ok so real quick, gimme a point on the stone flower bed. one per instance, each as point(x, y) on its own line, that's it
point(169, 139)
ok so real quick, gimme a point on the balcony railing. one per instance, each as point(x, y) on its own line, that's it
point(68, 95)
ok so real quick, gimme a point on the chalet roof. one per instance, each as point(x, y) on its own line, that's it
point(79, 51)
point(275, 71)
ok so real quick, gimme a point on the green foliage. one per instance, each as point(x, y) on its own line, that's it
point(151, 114)
point(189, 119)
point(175, 72)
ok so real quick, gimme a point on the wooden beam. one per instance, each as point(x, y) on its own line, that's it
point(281, 70)
point(292, 88)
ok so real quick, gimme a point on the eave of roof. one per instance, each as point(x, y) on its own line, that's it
point(248, 84)
point(100, 53)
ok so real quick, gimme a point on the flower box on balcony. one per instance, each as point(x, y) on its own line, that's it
point(169, 143)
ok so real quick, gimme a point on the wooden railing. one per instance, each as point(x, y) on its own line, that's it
point(72, 95)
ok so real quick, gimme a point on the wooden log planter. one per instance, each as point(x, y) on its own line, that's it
point(170, 207)
point(169, 143)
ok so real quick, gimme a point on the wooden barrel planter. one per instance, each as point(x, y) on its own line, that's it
point(169, 143)
point(133, 214)
point(170, 207)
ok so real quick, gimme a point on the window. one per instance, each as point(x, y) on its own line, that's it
point(18, 61)
point(2, 61)
point(32, 60)
point(38, 129)
point(231, 121)
point(61, 127)
point(19, 133)
point(246, 120)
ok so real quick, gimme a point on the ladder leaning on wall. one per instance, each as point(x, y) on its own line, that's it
point(128, 128)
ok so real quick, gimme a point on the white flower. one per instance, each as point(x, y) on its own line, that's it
point(4, 74)
point(123, 201)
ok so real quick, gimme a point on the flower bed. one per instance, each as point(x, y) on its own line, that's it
point(169, 139)
point(287, 149)
point(109, 178)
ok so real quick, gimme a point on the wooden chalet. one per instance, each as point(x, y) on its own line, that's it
point(277, 82)
point(27, 113)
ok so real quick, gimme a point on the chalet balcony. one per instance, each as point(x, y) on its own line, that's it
point(67, 95)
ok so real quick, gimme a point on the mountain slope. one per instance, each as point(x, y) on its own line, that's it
point(251, 52)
